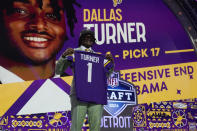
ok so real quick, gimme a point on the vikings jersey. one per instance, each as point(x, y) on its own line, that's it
point(90, 77)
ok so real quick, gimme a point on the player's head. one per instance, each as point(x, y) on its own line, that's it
point(87, 38)
point(33, 30)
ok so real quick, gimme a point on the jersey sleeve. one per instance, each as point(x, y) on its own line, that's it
point(62, 64)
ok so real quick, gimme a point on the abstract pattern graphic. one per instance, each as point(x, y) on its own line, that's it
point(175, 115)
point(139, 116)
point(57, 118)
point(179, 118)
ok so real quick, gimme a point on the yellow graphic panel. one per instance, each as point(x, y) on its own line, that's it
point(10, 93)
point(163, 83)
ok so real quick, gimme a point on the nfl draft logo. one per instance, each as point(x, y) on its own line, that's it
point(120, 94)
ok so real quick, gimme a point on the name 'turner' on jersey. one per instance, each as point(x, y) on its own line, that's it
point(90, 58)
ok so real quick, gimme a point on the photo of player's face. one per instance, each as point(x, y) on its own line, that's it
point(88, 41)
point(35, 29)
point(32, 34)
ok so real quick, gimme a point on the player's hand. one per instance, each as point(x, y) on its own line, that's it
point(68, 51)
point(109, 57)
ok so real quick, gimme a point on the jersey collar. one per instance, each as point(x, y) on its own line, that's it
point(84, 48)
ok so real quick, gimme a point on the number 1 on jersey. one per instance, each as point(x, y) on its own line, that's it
point(89, 72)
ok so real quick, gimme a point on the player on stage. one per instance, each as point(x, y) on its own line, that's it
point(79, 107)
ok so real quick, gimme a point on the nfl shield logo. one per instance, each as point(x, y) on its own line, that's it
point(113, 80)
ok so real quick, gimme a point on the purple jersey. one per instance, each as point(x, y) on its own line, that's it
point(90, 77)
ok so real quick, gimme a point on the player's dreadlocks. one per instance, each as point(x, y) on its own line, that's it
point(70, 14)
